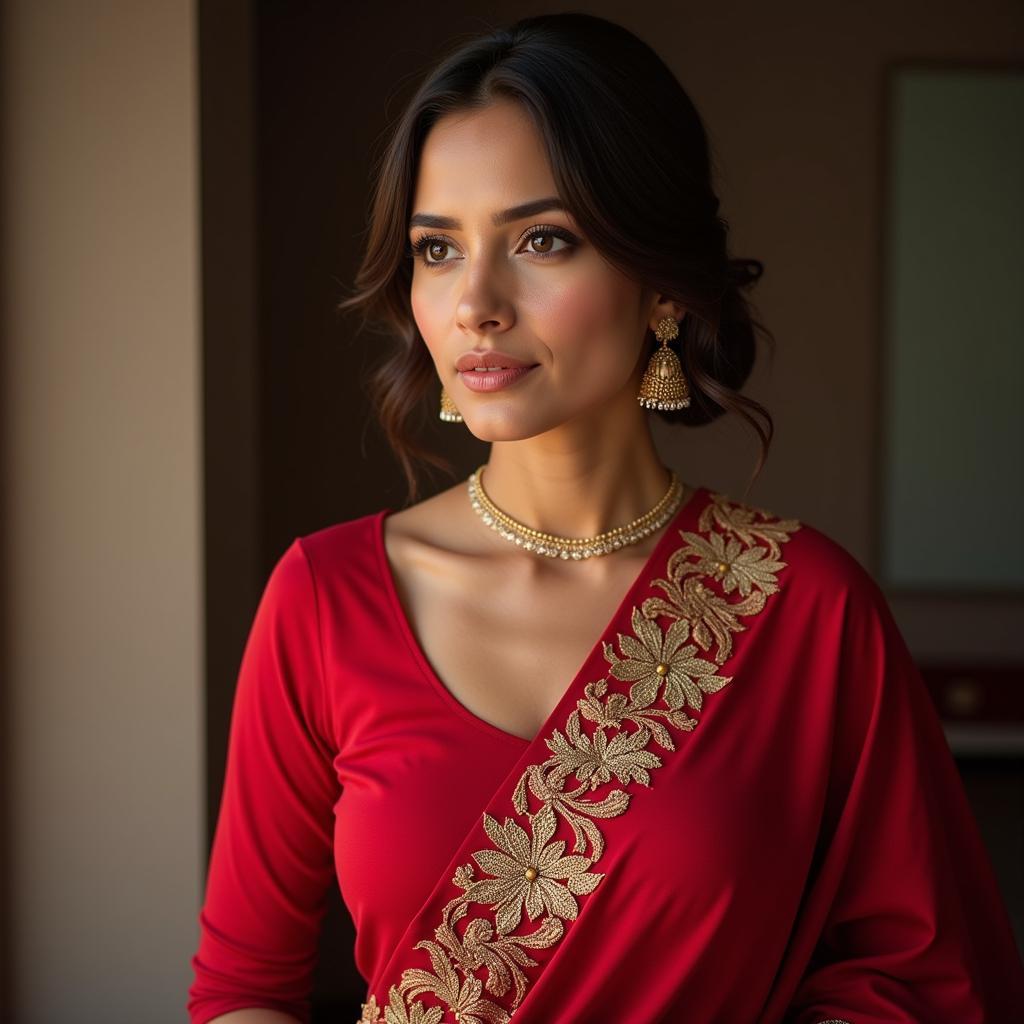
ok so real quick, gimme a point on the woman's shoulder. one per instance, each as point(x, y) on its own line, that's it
point(810, 558)
point(338, 554)
point(343, 535)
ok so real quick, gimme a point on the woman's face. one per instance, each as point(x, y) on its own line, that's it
point(532, 288)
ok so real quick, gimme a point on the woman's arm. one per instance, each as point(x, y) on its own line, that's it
point(914, 925)
point(272, 862)
point(255, 1017)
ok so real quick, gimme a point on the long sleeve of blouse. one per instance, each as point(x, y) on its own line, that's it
point(272, 858)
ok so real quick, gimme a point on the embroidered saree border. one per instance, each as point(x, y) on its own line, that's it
point(738, 549)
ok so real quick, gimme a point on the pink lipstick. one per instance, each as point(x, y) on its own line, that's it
point(493, 380)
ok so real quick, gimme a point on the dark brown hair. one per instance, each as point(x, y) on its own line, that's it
point(631, 162)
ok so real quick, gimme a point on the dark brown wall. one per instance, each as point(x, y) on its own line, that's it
point(330, 77)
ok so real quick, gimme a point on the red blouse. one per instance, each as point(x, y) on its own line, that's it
point(743, 808)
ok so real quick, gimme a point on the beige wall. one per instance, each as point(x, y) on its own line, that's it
point(101, 491)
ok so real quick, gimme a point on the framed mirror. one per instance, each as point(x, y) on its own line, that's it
point(950, 529)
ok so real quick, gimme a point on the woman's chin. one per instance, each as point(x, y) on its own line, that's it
point(487, 428)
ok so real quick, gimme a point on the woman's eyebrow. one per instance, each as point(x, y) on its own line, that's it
point(433, 220)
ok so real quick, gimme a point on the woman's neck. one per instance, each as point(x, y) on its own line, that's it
point(576, 486)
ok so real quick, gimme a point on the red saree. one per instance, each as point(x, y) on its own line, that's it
point(743, 808)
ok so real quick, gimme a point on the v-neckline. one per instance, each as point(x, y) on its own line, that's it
point(684, 518)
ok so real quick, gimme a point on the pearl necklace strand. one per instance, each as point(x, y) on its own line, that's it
point(573, 547)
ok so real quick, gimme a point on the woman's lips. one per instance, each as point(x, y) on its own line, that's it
point(493, 380)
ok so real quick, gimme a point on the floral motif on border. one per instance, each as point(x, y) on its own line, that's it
point(714, 578)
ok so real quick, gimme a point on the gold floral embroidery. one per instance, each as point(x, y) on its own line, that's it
point(738, 518)
point(659, 659)
point(397, 1013)
point(737, 551)
point(734, 568)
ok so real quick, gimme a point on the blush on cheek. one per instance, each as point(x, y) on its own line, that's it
point(426, 317)
point(585, 323)
point(418, 309)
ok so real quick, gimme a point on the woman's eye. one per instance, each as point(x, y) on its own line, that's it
point(430, 250)
point(547, 240)
point(435, 251)
point(542, 240)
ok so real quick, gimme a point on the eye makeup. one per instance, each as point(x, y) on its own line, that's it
point(419, 248)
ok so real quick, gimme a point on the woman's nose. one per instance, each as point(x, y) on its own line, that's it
point(483, 305)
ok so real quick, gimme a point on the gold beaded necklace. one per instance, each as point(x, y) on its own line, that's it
point(573, 547)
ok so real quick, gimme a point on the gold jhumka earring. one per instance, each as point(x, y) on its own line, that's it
point(448, 411)
point(663, 385)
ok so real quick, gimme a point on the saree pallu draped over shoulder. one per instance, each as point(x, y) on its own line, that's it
point(742, 810)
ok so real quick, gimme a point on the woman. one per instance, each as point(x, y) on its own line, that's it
point(732, 803)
